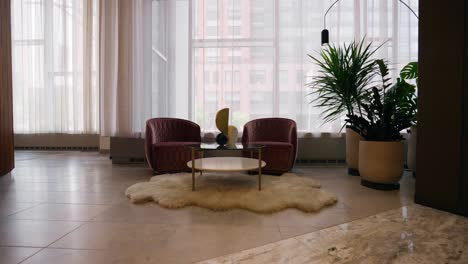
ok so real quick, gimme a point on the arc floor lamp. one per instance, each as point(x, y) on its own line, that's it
point(325, 33)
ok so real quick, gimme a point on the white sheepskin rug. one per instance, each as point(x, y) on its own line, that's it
point(220, 192)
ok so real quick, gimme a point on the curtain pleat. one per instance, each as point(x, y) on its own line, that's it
point(125, 63)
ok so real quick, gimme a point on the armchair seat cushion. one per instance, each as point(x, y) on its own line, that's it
point(278, 155)
point(173, 156)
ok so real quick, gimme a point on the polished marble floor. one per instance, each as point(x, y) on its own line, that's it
point(412, 234)
point(69, 207)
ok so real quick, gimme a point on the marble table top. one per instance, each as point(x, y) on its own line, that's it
point(411, 234)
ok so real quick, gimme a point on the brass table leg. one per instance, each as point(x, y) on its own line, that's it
point(200, 155)
point(193, 169)
point(260, 169)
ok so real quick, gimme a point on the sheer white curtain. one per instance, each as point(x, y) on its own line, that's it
point(251, 55)
point(171, 74)
point(144, 63)
point(125, 63)
point(55, 86)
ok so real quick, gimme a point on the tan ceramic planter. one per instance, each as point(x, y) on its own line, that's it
point(352, 151)
point(411, 157)
point(381, 162)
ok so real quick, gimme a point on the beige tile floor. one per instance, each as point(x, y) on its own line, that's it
point(69, 207)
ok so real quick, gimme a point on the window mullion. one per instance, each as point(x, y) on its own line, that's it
point(48, 66)
point(191, 97)
point(276, 60)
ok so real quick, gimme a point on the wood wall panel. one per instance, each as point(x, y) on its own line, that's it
point(442, 180)
point(464, 160)
point(7, 161)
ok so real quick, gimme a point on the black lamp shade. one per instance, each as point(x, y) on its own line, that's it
point(325, 37)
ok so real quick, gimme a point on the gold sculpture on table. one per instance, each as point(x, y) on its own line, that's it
point(222, 120)
point(232, 135)
point(228, 133)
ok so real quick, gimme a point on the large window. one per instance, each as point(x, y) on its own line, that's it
point(248, 55)
point(266, 42)
point(55, 86)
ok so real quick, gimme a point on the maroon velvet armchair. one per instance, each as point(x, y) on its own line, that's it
point(167, 141)
point(279, 135)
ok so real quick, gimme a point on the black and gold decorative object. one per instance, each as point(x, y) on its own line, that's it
point(222, 119)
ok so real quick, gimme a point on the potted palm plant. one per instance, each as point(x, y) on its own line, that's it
point(390, 110)
point(341, 86)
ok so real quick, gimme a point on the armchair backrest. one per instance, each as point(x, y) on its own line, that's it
point(172, 129)
point(270, 129)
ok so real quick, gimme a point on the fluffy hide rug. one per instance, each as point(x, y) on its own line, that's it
point(233, 190)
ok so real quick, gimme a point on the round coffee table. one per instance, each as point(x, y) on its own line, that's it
point(227, 164)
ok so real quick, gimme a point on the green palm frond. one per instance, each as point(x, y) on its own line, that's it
point(410, 71)
point(390, 109)
point(343, 80)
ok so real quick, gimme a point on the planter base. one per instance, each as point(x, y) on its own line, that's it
point(353, 172)
point(381, 186)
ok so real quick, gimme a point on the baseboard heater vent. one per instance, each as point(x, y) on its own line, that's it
point(318, 162)
point(60, 148)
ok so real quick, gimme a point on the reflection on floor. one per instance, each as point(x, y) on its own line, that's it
point(69, 207)
point(411, 234)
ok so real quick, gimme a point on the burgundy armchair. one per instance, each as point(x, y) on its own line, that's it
point(279, 135)
point(167, 141)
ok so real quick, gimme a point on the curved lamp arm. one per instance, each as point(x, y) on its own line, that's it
point(328, 10)
point(411, 9)
point(325, 35)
